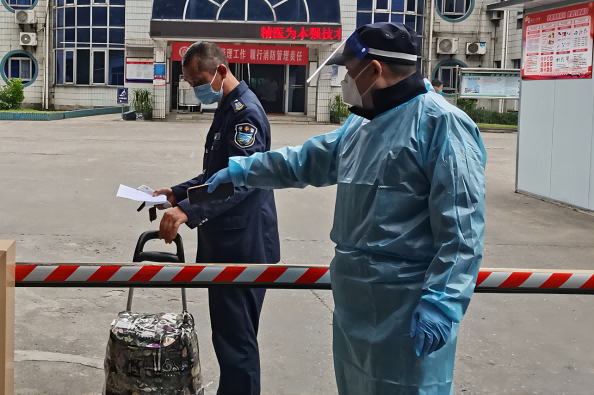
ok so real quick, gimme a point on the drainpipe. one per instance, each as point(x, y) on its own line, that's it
point(505, 32)
point(46, 58)
point(431, 18)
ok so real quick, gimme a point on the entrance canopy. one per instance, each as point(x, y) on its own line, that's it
point(274, 21)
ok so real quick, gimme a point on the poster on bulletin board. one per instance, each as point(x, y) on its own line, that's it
point(558, 43)
point(159, 74)
point(139, 70)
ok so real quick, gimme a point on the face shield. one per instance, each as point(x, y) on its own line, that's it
point(350, 51)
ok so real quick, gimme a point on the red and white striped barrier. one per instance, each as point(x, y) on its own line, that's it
point(263, 276)
point(273, 276)
point(543, 281)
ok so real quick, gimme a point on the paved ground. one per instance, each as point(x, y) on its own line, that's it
point(59, 180)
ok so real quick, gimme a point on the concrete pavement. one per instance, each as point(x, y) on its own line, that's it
point(58, 182)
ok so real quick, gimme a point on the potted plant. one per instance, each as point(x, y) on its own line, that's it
point(339, 111)
point(142, 102)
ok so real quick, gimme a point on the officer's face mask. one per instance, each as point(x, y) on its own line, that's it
point(206, 94)
point(350, 92)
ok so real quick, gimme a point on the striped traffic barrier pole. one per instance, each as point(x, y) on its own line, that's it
point(196, 276)
point(272, 276)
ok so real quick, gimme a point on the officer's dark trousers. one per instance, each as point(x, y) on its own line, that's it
point(234, 316)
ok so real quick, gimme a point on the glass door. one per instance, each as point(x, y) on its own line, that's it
point(296, 92)
point(267, 82)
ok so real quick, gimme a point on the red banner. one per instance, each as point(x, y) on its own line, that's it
point(558, 43)
point(254, 54)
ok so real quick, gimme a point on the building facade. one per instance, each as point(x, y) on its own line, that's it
point(463, 33)
point(83, 50)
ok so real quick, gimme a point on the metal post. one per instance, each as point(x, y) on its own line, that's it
point(504, 52)
point(184, 302)
point(130, 297)
point(430, 56)
point(7, 283)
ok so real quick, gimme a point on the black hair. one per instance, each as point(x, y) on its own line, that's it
point(208, 54)
point(436, 82)
point(402, 70)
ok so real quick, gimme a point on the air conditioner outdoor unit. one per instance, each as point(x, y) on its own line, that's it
point(22, 17)
point(476, 48)
point(496, 15)
point(28, 38)
point(447, 46)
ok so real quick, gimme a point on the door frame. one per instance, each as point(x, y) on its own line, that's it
point(286, 93)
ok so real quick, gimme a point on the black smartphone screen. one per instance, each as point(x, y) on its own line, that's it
point(200, 193)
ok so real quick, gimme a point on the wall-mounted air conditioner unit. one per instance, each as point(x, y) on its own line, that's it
point(447, 46)
point(22, 17)
point(476, 48)
point(496, 15)
point(28, 38)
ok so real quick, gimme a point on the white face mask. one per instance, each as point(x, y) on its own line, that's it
point(350, 93)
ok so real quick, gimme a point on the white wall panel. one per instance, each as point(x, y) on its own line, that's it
point(535, 137)
point(324, 88)
point(591, 192)
point(572, 141)
point(79, 97)
point(138, 17)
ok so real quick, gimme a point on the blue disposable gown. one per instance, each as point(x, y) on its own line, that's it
point(408, 224)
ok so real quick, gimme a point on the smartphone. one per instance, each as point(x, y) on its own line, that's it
point(200, 193)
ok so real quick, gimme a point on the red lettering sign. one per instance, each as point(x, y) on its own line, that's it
point(311, 33)
point(254, 54)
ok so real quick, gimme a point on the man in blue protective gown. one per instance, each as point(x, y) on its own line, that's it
point(409, 218)
point(242, 229)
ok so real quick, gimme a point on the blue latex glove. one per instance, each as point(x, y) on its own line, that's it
point(220, 177)
point(430, 327)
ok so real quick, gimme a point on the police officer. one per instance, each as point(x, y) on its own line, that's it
point(242, 229)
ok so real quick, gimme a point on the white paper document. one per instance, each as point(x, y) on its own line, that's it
point(139, 196)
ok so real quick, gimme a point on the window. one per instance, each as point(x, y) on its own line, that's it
point(449, 76)
point(387, 10)
point(88, 41)
point(454, 9)
point(248, 10)
point(408, 12)
point(19, 67)
point(19, 64)
point(99, 67)
point(498, 64)
point(517, 63)
point(19, 4)
point(520, 24)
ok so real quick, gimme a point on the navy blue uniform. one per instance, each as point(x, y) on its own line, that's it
point(241, 230)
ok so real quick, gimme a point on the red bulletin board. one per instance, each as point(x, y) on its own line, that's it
point(558, 43)
point(254, 54)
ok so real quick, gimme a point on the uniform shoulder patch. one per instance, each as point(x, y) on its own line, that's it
point(245, 135)
point(238, 105)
